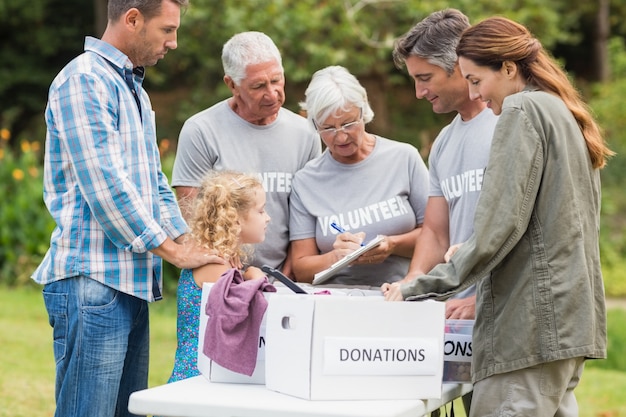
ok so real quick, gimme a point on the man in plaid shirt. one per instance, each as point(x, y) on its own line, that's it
point(116, 215)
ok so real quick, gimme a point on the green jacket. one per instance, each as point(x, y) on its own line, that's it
point(535, 244)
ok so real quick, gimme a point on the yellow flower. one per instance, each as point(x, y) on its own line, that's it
point(1, 154)
point(18, 174)
point(5, 134)
point(35, 146)
point(25, 146)
point(33, 171)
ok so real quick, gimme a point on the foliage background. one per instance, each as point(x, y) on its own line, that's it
point(38, 37)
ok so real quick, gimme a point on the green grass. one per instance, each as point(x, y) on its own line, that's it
point(27, 364)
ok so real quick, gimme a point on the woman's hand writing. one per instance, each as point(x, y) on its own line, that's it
point(378, 254)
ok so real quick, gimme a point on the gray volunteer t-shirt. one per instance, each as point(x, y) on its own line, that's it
point(218, 139)
point(384, 194)
point(456, 163)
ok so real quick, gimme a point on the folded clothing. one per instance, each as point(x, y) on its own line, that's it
point(235, 309)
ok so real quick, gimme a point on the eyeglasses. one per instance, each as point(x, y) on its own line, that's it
point(346, 127)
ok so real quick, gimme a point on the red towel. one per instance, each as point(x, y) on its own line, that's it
point(235, 308)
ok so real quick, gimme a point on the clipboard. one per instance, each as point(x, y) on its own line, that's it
point(326, 274)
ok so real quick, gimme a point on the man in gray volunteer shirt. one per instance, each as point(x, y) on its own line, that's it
point(249, 132)
point(460, 152)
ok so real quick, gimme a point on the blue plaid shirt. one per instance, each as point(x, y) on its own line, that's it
point(103, 182)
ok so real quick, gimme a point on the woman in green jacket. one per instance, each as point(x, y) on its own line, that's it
point(540, 309)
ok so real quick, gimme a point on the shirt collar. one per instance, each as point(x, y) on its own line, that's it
point(116, 57)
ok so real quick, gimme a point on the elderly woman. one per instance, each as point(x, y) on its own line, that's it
point(365, 184)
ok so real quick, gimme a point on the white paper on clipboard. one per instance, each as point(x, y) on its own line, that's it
point(324, 275)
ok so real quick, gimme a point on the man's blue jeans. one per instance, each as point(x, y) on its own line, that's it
point(101, 347)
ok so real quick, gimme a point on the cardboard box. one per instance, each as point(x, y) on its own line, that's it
point(457, 348)
point(354, 348)
point(216, 373)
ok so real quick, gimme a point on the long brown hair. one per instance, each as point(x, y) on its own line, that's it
point(497, 39)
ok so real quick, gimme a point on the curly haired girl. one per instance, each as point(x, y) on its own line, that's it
point(228, 216)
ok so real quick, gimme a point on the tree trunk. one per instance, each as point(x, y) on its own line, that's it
point(100, 13)
point(601, 69)
point(376, 87)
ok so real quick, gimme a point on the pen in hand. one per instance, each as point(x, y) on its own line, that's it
point(341, 230)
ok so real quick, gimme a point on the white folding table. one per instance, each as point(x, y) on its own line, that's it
point(197, 397)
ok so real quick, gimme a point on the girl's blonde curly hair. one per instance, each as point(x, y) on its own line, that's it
point(223, 199)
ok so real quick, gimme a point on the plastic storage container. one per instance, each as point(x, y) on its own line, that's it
point(457, 360)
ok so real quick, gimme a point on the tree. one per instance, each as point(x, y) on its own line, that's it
point(601, 37)
point(37, 38)
point(40, 36)
point(100, 16)
point(312, 34)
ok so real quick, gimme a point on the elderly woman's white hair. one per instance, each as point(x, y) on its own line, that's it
point(334, 89)
point(248, 48)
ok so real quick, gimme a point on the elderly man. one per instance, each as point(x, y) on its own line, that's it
point(249, 132)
